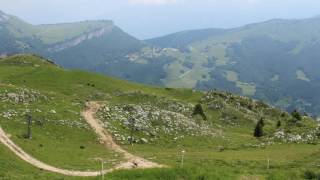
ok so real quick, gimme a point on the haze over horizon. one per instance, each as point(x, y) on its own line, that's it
point(151, 18)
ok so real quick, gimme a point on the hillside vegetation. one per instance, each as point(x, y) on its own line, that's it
point(214, 129)
point(275, 61)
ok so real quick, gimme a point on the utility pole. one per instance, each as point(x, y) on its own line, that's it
point(29, 123)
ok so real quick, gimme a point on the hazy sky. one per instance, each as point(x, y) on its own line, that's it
point(150, 18)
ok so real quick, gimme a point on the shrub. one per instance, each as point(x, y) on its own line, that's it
point(258, 131)
point(278, 124)
point(261, 121)
point(311, 175)
point(198, 110)
point(296, 115)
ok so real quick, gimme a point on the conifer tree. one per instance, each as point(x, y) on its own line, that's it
point(198, 110)
point(258, 131)
point(278, 124)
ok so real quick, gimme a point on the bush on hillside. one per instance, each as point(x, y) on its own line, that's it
point(258, 131)
point(296, 115)
point(311, 175)
point(278, 124)
point(198, 110)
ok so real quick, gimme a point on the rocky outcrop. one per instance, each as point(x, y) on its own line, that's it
point(310, 136)
point(22, 95)
point(151, 122)
point(3, 17)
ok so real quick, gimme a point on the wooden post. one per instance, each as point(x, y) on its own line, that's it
point(102, 174)
point(102, 161)
point(182, 157)
point(132, 126)
point(29, 123)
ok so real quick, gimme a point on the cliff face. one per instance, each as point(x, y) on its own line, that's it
point(77, 40)
point(3, 17)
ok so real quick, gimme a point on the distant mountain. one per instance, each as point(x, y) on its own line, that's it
point(50, 38)
point(276, 61)
point(92, 45)
point(182, 39)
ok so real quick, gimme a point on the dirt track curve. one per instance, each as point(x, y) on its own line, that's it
point(131, 161)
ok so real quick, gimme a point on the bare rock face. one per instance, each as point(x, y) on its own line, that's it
point(76, 41)
point(3, 17)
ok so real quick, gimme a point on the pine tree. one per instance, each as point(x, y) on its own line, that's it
point(198, 110)
point(278, 124)
point(29, 122)
point(296, 115)
point(261, 121)
point(258, 131)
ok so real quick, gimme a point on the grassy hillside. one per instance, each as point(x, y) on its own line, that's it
point(274, 61)
point(220, 146)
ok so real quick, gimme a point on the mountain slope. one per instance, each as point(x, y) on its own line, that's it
point(167, 122)
point(69, 44)
point(275, 61)
point(51, 33)
point(182, 39)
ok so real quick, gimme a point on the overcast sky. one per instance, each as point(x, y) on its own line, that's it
point(150, 18)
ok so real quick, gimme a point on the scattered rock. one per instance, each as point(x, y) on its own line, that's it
point(53, 111)
point(144, 140)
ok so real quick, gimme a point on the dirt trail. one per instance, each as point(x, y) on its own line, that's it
point(4, 139)
point(132, 161)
